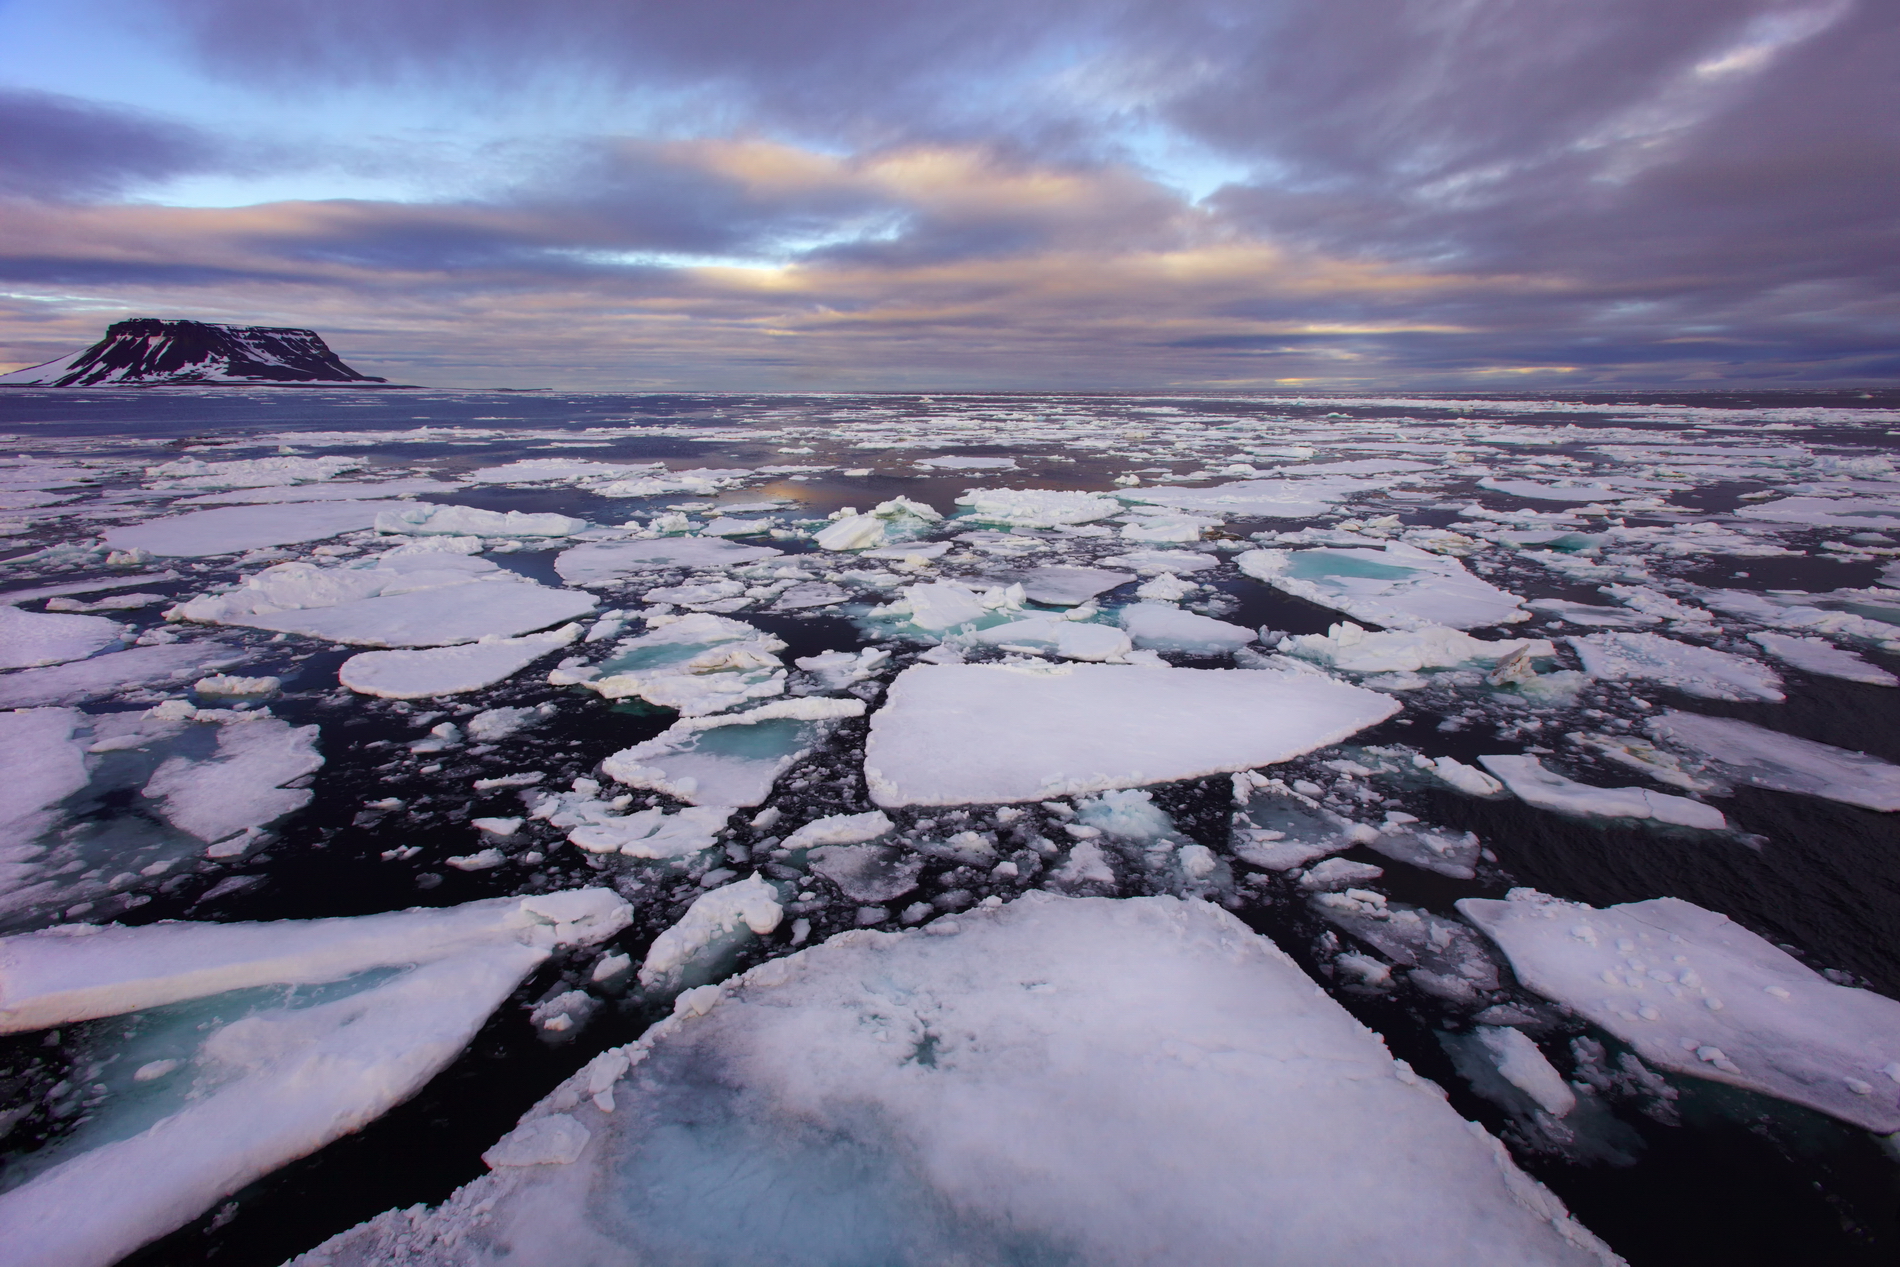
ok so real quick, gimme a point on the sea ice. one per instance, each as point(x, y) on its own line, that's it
point(44, 766)
point(1693, 670)
point(1037, 507)
point(960, 734)
point(1401, 586)
point(597, 826)
point(868, 873)
point(1277, 498)
point(1817, 655)
point(242, 786)
point(1165, 627)
point(426, 519)
point(836, 670)
point(1069, 639)
point(110, 674)
point(193, 473)
point(448, 670)
point(33, 639)
point(714, 926)
point(272, 1075)
point(1069, 586)
point(697, 664)
point(432, 618)
point(1157, 562)
point(1052, 1080)
point(603, 563)
point(1347, 646)
point(730, 759)
point(232, 529)
point(319, 492)
point(891, 522)
point(1532, 783)
point(1747, 753)
point(1444, 958)
point(1694, 992)
point(1828, 512)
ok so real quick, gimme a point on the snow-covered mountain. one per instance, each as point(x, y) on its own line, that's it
point(147, 351)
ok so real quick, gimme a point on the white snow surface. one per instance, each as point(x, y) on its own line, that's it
point(1694, 992)
point(241, 785)
point(1819, 656)
point(839, 829)
point(1069, 639)
point(231, 529)
point(1273, 498)
point(1349, 647)
point(1037, 507)
point(448, 670)
point(33, 639)
point(1400, 586)
point(44, 765)
point(729, 759)
point(1747, 753)
point(1165, 627)
point(1059, 586)
point(426, 519)
point(714, 919)
point(1110, 1082)
point(1693, 670)
point(962, 734)
point(108, 674)
point(280, 1082)
point(608, 562)
point(1530, 782)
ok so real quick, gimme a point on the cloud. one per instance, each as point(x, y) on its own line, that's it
point(57, 147)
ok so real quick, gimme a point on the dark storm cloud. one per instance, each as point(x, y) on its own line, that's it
point(55, 147)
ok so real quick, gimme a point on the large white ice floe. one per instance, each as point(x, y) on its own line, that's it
point(1746, 753)
point(1530, 782)
point(960, 734)
point(1069, 639)
point(730, 758)
point(1165, 627)
point(715, 926)
point(449, 670)
point(1829, 512)
point(889, 523)
point(1693, 670)
point(1400, 586)
point(257, 1076)
point(44, 766)
point(1053, 1080)
point(1037, 507)
point(697, 664)
point(1347, 646)
point(609, 562)
point(423, 519)
point(230, 529)
point(135, 667)
point(1819, 656)
point(195, 473)
point(1059, 586)
point(1258, 499)
point(241, 786)
point(32, 639)
point(401, 599)
point(1694, 992)
point(354, 491)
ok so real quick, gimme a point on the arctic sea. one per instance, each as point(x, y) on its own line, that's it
point(295, 737)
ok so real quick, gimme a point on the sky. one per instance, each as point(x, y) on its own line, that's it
point(800, 195)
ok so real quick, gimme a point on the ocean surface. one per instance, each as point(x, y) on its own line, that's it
point(1696, 518)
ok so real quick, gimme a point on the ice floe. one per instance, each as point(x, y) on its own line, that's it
point(1746, 753)
point(697, 664)
point(599, 827)
point(1530, 782)
point(1058, 586)
point(1819, 656)
point(263, 1076)
point(117, 671)
point(424, 519)
point(1694, 992)
point(958, 734)
point(1399, 586)
point(450, 670)
point(233, 529)
point(604, 563)
point(1691, 669)
point(730, 758)
point(893, 522)
point(1347, 646)
point(1037, 507)
point(241, 787)
point(1165, 627)
point(1005, 1086)
point(714, 927)
point(1069, 639)
point(33, 639)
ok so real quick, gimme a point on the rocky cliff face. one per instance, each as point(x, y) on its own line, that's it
point(147, 351)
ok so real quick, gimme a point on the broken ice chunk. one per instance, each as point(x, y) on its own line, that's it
point(835, 670)
point(30, 639)
point(425, 519)
point(242, 786)
point(1069, 586)
point(732, 758)
point(1526, 1068)
point(1747, 753)
point(1338, 873)
point(1401, 587)
point(1347, 646)
point(1164, 627)
point(698, 664)
point(1037, 507)
point(448, 670)
point(1803, 1044)
point(1694, 670)
point(605, 563)
point(1818, 655)
point(868, 873)
point(597, 827)
point(1532, 783)
point(1070, 639)
point(894, 521)
point(715, 926)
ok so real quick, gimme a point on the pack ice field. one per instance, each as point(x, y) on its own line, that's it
point(462, 827)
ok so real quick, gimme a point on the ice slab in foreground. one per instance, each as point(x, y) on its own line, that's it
point(1693, 670)
point(448, 670)
point(107, 674)
point(1746, 753)
point(606, 562)
point(268, 1076)
point(1694, 992)
point(230, 529)
point(967, 733)
point(730, 759)
point(1530, 782)
point(1056, 1080)
point(1400, 587)
point(32, 639)
point(1818, 655)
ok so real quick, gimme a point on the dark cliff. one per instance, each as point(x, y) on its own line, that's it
point(148, 352)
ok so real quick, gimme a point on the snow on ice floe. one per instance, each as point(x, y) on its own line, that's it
point(559, 471)
point(1050, 1080)
point(889, 523)
point(610, 562)
point(233, 529)
point(333, 492)
point(1263, 499)
point(1693, 670)
point(1530, 782)
point(423, 519)
point(1559, 491)
point(240, 788)
point(698, 664)
point(109, 674)
point(1829, 512)
point(600, 827)
point(44, 766)
point(956, 463)
point(708, 936)
point(404, 598)
point(1746, 753)
point(961, 734)
point(1165, 627)
point(1058, 586)
point(1037, 507)
point(1163, 562)
point(1348, 647)
point(33, 639)
point(730, 758)
point(1819, 656)
point(1400, 586)
point(196, 474)
point(253, 1066)
point(449, 670)
point(1694, 992)
point(1068, 639)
